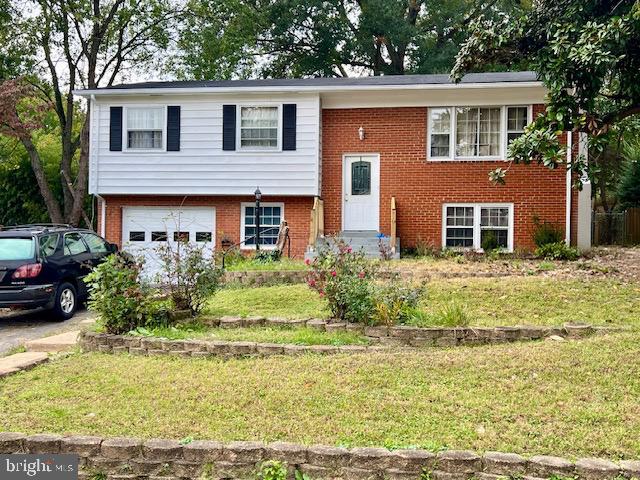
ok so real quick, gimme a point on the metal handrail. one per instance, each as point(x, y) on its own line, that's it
point(224, 255)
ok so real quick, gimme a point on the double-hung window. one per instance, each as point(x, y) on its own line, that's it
point(475, 225)
point(474, 133)
point(517, 119)
point(259, 126)
point(145, 128)
point(271, 216)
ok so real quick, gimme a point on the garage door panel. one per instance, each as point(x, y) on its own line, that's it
point(144, 229)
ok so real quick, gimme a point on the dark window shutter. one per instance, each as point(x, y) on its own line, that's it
point(228, 127)
point(115, 129)
point(173, 129)
point(289, 126)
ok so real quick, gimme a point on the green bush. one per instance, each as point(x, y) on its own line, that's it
point(189, 275)
point(629, 188)
point(546, 233)
point(120, 298)
point(557, 251)
point(272, 470)
point(267, 256)
point(489, 242)
point(396, 303)
point(345, 279)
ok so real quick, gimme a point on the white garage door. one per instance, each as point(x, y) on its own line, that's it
point(144, 229)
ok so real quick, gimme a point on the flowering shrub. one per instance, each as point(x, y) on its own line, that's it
point(345, 279)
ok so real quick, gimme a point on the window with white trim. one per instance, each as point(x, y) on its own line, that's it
point(440, 119)
point(145, 128)
point(271, 215)
point(476, 225)
point(517, 119)
point(474, 133)
point(259, 127)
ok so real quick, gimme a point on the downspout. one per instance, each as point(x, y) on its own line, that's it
point(103, 202)
point(103, 216)
point(567, 227)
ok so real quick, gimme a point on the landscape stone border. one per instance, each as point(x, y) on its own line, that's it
point(381, 338)
point(152, 346)
point(157, 459)
point(420, 336)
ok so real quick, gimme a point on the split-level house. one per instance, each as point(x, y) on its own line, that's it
point(403, 156)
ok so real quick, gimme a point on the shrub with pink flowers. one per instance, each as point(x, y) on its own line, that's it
point(345, 279)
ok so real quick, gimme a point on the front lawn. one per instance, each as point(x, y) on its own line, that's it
point(572, 398)
point(298, 336)
point(486, 301)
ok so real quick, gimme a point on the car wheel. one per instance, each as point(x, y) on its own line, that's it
point(66, 302)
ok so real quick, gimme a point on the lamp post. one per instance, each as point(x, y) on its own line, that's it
point(258, 195)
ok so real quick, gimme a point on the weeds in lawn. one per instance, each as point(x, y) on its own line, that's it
point(272, 470)
point(546, 266)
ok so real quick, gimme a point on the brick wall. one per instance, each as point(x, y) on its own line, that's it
point(297, 211)
point(399, 135)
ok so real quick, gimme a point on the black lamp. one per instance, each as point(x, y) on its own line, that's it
point(258, 195)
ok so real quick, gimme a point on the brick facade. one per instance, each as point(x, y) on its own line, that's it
point(297, 212)
point(399, 135)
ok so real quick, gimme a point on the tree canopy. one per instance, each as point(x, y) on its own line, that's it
point(587, 53)
point(296, 38)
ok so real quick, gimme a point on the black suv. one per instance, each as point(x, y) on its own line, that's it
point(44, 266)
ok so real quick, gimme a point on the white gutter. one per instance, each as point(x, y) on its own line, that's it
point(567, 227)
point(300, 88)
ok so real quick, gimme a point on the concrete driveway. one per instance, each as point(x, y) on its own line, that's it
point(19, 327)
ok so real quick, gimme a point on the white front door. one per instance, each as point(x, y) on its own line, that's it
point(361, 192)
point(144, 229)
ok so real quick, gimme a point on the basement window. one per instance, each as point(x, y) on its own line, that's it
point(467, 226)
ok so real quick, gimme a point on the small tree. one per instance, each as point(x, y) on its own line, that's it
point(629, 189)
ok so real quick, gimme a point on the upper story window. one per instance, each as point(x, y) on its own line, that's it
point(517, 119)
point(474, 133)
point(145, 128)
point(259, 127)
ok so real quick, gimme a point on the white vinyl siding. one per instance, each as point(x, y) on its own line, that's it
point(466, 225)
point(202, 167)
point(474, 133)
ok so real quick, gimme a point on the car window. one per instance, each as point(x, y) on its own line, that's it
point(73, 244)
point(48, 245)
point(16, 248)
point(96, 244)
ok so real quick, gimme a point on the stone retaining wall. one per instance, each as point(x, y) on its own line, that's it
point(102, 342)
point(380, 337)
point(135, 459)
point(419, 336)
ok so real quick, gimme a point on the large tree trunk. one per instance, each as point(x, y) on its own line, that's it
point(49, 199)
point(81, 185)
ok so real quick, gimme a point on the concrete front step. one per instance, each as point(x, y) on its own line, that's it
point(366, 241)
point(20, 361)
point(55, 343)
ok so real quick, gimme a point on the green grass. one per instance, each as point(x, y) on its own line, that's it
point(284, 264)
point(483, 301)
point(538, 301)
point(298, 336)
point(573, 398)
point(288, 301)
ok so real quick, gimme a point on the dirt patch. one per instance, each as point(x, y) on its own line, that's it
point(622, 263)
